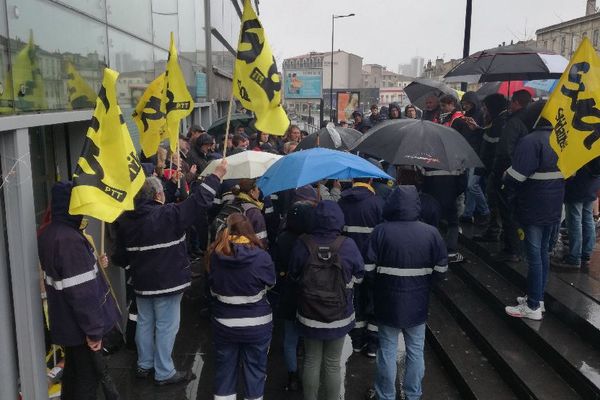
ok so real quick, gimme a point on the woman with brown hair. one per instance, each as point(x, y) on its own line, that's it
point(240, 273)
point(246, 197)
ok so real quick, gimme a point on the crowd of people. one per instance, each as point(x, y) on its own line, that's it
point(331, 259)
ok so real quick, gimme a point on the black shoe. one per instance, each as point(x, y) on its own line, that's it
point(371, 350)
point(482, 220)
point(564, 264)
point(142, 373)
point(371, 395)
point(585, 265)
point(454, 258)
point(179, 377)
point(293, 384)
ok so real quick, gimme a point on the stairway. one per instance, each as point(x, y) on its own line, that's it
point(490, 355)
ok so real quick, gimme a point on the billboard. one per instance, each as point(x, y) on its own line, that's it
point(347, 103)
point(303, 84)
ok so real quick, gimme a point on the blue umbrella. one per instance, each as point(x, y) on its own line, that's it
point(309, 166)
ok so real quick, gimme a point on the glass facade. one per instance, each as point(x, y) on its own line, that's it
point(58, 69)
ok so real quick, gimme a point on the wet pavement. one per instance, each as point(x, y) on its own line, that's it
point(193, 351)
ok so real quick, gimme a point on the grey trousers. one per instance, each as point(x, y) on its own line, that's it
point(322, 358)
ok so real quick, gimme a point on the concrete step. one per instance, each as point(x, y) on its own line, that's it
point(471, 371)
point(577, 361)
point(572, 304)
point(528, 374)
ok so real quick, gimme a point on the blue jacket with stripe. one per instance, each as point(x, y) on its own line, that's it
point(407, 255)
point(79, 300)
point(535, 180)
point(329, 223)
point(152, 240)
point(238, 286)
point(362, 212)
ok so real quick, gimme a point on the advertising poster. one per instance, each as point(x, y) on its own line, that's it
point(303, 84)
point(347, 102)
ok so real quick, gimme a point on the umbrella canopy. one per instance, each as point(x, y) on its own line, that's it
point(239, 119)
point(247, 164)
point(418, 91)
point(418, 142)
point(309, 166)
point(331, 137)
point(508, 63)
point(539, 88)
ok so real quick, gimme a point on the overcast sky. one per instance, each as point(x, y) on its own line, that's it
point(390, 32)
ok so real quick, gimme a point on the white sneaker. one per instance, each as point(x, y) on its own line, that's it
point(523, 311)
point(523, 300)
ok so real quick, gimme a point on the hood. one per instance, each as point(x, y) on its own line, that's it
point(472, 98)
point(329, 217)
point(61, 197)
point(356, 194)
point(397, 107)
point(403, 204)
point(355, 113)
point(148, 169)
point(244, 256)
point(305, 193)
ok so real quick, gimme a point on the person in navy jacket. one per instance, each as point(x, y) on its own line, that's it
point(80, 307)
point(408, 255)
point(240, 273)
point(323, 341)
point(152, 240)
point(535, 184)
point(362, 211)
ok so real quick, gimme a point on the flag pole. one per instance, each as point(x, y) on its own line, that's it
point(178, 164)
point(228, 123)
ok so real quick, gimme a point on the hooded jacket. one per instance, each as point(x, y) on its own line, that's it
point(473, 136)
point(79, 300)
point(362, 212)
point(535, 180)
point(330, 221)
point(489, 143)
point(152, 240)
point(238, 286)
point(514, 129)
point(397, 107)
point(364, 125)
point(408, 255)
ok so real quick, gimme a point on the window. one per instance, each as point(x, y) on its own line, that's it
point(563, 45)
point(595, 38)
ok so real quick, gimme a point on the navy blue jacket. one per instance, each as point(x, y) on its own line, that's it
point(408, 254)
point(79, 300)
point(238, 285)
point(535, 180)
point(362, 212)
point(152, 240)
point(444, 186)
point(330, 221)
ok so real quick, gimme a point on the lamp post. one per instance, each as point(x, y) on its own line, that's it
point(333, 18)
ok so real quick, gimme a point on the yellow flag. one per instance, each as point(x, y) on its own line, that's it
point(81, 95)
point(148, 117)
point(176, 101)
point(256, 83)
point(108, 174)
point(574, 110)
point(28, 83)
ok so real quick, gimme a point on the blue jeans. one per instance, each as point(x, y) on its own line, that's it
point(291, 335)
point(385, 380)
point(157, 326)
point(537, 250)
point(476, 201)
point(582, 231)
point(253, 359)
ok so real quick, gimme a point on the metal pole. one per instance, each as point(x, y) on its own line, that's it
point(467, 42)
point(331, 75)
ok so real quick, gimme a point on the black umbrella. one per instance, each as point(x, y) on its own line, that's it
point(218, 127)
point(508, 63)
point(421, 88)
point(418, 142)
point(336, 138)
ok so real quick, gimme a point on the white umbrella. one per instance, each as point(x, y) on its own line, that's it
point(247, 164)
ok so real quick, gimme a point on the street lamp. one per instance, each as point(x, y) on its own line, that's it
point(333, 18)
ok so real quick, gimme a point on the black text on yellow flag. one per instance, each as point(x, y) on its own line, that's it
point(108, 173)
point(256, 82)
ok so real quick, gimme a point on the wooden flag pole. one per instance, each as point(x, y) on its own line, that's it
point(178, 165)
point(227, 126)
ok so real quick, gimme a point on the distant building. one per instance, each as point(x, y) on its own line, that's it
point(414, 68)
point(377, 76)
point(564, 38)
